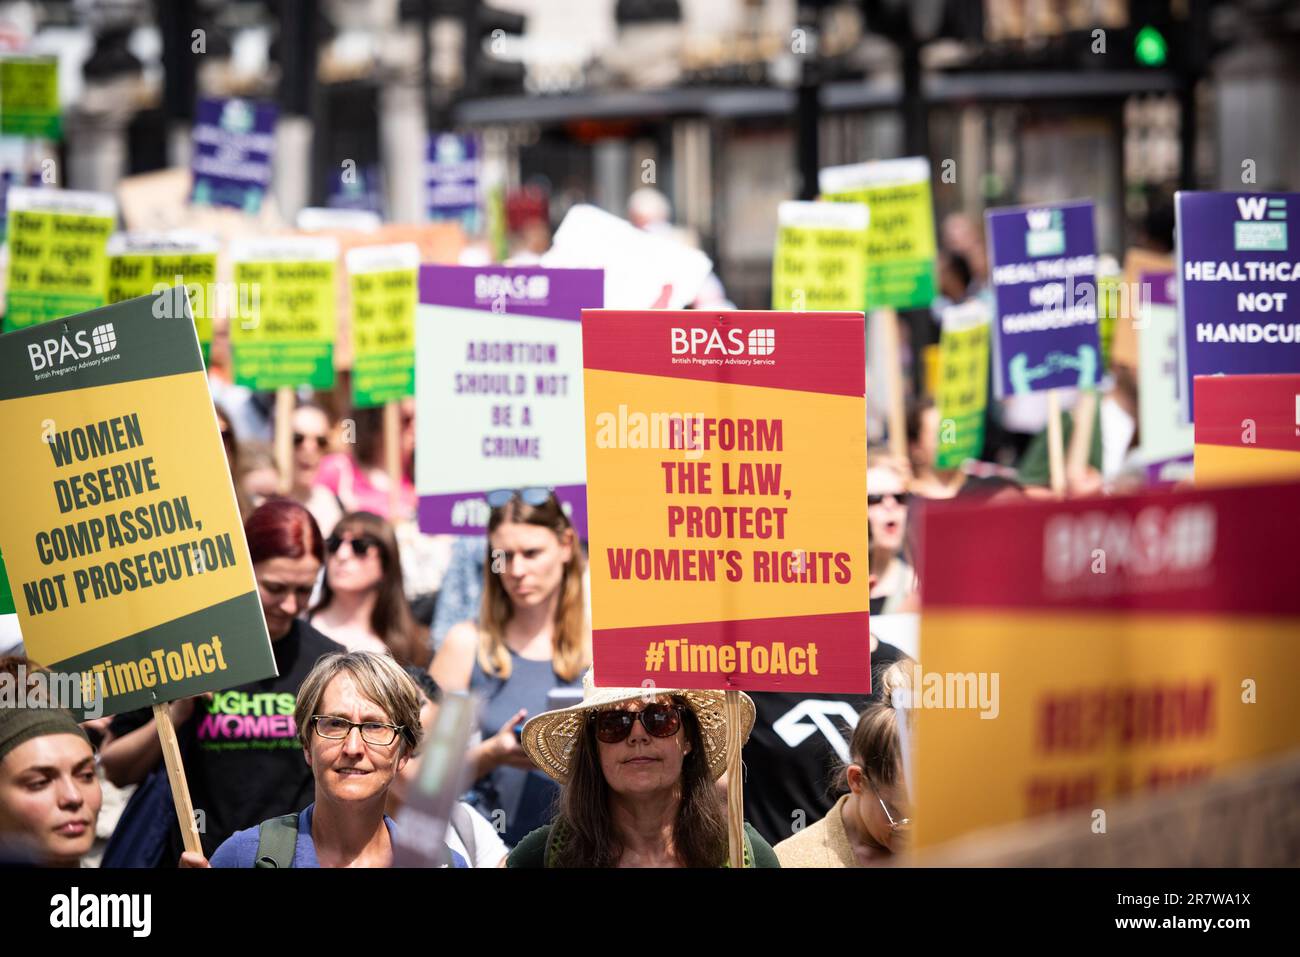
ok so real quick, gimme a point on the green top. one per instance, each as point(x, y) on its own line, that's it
point(533, 850)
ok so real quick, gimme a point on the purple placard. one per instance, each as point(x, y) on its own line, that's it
point(521, 290)
point(1235, 270)
point(1169, 472)
point(451, 178)
point(463, 378)
point(1159, 288)
point(233, 143)
point(1043, 263)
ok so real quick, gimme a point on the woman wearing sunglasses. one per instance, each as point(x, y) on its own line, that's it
point(638, 773)
point(532, 636)
point(360, 480)
point(869, 824)
point(362, 605)
point(311, 437)
point(886, 529)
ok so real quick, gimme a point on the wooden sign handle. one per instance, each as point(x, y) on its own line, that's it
point(171, 750)
point(284, 403)
point(894, 367)
point(735, 784)
point(1055, 444)
point(393, 459)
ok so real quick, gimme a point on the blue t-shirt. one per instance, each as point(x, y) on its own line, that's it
point(240, 849)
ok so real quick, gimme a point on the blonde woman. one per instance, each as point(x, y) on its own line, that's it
point(532, 637)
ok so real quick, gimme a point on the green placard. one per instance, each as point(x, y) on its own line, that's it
point(962, 390)
point(1107, 310)
point(58, 261)
point(383, 336)
point(288, 339)
point(29, 97)
point(6, 594)
point(818, 266)
point(900, 269)
point(139, 273)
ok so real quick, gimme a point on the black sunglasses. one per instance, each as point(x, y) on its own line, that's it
point(659, 720)
point(535, 496)
point(319, 441)
point(360, 545)
point(899, 497)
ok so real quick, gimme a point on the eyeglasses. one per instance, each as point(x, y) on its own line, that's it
point(899, 497)
point(902, 823)
point(361, 544)
point(372, 732)
point(534, 496)
point(299, 438)
point(659, 720)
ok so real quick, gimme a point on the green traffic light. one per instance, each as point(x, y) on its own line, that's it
point(1149, 47)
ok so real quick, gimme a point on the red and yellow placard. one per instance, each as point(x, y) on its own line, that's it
point(1248, 429)
point(726, 497)
point(1126, 645)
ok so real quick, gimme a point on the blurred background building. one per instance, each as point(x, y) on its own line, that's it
point(726, 106)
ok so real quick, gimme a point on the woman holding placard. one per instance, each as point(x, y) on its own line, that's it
point(532, 637)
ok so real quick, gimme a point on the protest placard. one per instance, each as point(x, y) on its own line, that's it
point(1235, 270)
point(726, 470)
point(820, 259)
point(234, 141)
point(499, 389)
point(1042, 267)
point(1247, 428)
point(642, 270)
point(1164, 434)
point(1124, 347)
point(900, 246)
point(383, 285)
point(962, 393)
point(58, 253)
point(289, 341)
point(120, 530)
point(29, 97)
point(142, 264)
point(1076, 652)
point(452, 171)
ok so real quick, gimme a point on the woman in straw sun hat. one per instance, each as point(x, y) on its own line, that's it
point(637, 769)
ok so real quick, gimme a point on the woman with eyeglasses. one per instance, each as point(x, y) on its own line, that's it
point(638, 769)
point(240, 746)
point(358, 721)
point(362, 605)
point(869, 824)
point(311, 438)
point(532, 637)
point(886, 528)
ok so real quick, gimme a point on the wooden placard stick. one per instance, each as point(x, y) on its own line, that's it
point(1055, 444)
point(393, 459)
point(284, 403)
point(171, 750)
point(894, 371)
point(735, 784)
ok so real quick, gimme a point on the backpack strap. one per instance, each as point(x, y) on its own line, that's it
point(462, 822)
point(277, 839)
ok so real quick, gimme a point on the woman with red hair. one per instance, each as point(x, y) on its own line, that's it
point(240, 750)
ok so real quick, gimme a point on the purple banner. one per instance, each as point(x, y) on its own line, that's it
point(1043, 263)
point(519, 290)
point(1235, 269)
point(1158, 288)
point(466, 513)
point(451, 179)
point(233, 144)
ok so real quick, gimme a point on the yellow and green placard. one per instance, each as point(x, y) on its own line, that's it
point(58, 253)
point(1107, 311)
point(286, 336)
point(820, 260)
point(962, 391)
point(144, 264)
point(384, 284)
point(900, 247)
point(29, 97)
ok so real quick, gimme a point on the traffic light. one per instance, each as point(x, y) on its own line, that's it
point(488, 34)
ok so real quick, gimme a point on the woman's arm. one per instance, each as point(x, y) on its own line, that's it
point(129, 759)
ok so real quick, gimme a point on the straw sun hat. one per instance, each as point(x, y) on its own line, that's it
point(549, 737)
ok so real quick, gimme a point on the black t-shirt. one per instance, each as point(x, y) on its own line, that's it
point(798, 745)
point(241, 753)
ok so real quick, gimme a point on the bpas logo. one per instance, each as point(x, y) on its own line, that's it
point(1262, 227)
point(52, 353)
point(757, 342)
point(1046, 235)
point(500, 289)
